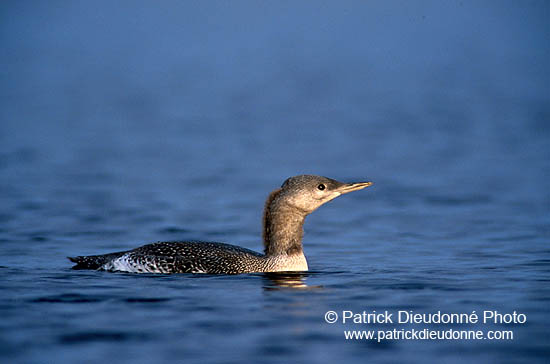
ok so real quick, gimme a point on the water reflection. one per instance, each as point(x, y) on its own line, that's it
point(280, 280)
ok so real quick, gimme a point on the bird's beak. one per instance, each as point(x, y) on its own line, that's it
point(356, 186)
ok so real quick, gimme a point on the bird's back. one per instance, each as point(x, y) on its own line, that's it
point(178, 257)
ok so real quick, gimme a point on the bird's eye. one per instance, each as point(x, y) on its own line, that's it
point(321, 187)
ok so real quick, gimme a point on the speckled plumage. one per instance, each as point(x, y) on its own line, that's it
point(183, 257)
point(284, 216)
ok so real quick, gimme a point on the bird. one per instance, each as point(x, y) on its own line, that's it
point(283, 219)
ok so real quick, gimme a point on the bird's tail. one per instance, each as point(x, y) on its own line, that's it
point(93, 261)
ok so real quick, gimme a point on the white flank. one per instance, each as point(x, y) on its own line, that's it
point(125, 264)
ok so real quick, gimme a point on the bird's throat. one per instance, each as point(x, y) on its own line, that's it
point(283, 227)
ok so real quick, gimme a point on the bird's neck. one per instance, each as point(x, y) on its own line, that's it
point(283, 227)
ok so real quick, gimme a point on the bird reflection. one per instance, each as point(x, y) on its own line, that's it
point(286, 280)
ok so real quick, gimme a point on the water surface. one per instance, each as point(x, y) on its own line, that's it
point(124, 124)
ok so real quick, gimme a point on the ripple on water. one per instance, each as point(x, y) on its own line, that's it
point(101, 336)
point(145, 299)
point(68, 298)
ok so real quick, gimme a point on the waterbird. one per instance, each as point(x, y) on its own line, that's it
point(283, 219)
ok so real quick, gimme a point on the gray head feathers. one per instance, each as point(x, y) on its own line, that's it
point(287, 207)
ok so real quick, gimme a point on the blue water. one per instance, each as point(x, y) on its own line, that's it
point(132, 122)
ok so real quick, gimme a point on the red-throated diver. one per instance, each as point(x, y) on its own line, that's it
point(284, 214)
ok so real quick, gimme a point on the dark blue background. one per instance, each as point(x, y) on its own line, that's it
point(129, 122)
